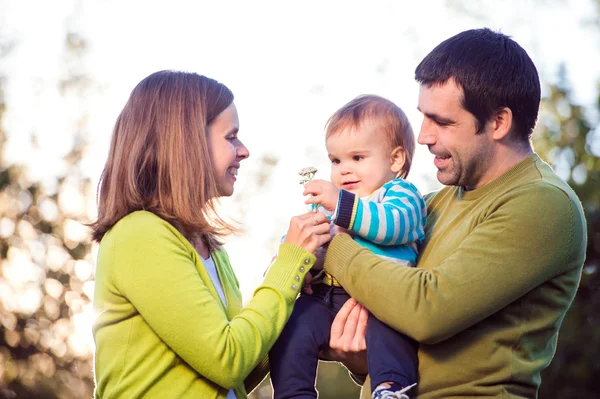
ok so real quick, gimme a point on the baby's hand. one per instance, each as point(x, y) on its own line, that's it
point(323, 192)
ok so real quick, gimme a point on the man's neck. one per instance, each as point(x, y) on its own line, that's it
point(504, 160)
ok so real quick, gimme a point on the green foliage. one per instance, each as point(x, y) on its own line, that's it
point(333, 382)
point(46, 272)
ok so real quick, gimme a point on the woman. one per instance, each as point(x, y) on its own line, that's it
point(169, 316)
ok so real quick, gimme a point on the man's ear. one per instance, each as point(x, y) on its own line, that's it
point(502, 121)
point(397, 159)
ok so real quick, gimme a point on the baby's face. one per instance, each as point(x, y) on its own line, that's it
point(360, 159)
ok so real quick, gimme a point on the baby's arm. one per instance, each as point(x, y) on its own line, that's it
point(398, 219)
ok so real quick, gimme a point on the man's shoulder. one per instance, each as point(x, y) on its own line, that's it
point(549, 178)
point(542, 185)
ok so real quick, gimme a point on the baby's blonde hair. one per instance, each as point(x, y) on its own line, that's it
point(387, 116)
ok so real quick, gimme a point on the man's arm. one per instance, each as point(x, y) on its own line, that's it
point(483, 275)
point(398, 219)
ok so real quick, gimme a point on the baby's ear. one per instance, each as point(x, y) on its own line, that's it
point(397, 159)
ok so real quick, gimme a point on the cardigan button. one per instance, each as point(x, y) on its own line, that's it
point(297, 278)
point(301, 269)
point(306, 261)
point(294, 286)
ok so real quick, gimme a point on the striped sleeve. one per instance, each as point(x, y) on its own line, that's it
point(394, 216)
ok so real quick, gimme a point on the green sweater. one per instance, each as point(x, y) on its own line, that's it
point(499, 269)
point(161, 329)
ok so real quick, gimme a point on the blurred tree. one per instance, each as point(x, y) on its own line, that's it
point(46, 266)
point(566, 140)
point(333, 382)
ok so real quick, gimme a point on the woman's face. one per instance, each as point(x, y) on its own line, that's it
point(226, 150)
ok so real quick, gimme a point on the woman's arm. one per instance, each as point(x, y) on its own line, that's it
point(157, 274)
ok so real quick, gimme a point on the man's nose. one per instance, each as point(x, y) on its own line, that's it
point(426, 134)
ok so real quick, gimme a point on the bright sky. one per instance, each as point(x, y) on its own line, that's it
point(289, 64)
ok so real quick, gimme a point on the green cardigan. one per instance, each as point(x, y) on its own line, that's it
point(161, 330)
point(499, 269)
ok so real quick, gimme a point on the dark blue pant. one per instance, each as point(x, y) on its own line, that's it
point(294, 357)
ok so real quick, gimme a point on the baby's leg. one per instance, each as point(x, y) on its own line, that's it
point(392, 356)
point(293, 359)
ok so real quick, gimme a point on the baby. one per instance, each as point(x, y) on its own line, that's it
point(370, 144)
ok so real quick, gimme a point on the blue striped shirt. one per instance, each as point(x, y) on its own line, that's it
point(390, 222)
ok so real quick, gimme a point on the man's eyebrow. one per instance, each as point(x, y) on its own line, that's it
point(437, 118)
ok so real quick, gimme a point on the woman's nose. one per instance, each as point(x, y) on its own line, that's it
point(242, 152)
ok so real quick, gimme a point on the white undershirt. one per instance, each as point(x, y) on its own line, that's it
point(209, 265)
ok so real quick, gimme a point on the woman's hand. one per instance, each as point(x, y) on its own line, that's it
point(309, 231)
point(347, 343)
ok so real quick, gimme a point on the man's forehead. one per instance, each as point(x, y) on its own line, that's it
point(433, 98)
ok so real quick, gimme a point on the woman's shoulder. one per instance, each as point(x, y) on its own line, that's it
point(138, 220)
point(142, 226)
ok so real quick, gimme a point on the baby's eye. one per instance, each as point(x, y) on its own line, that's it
point(358, 158)
point(335, 161)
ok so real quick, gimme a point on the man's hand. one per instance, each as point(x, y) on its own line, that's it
point(322, 192)
point(347, 343)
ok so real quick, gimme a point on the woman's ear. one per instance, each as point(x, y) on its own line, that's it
point(397, 159)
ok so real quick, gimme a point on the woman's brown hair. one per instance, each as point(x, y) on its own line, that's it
point(387, 116)
point(159, 159)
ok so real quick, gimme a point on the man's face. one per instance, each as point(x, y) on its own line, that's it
point(462, 156)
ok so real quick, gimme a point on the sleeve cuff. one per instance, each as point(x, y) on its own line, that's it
point(344, 211)
point(287, 273)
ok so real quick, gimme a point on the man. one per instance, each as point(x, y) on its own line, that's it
point(505, 239)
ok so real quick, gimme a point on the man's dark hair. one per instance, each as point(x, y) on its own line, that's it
point(493, 71)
